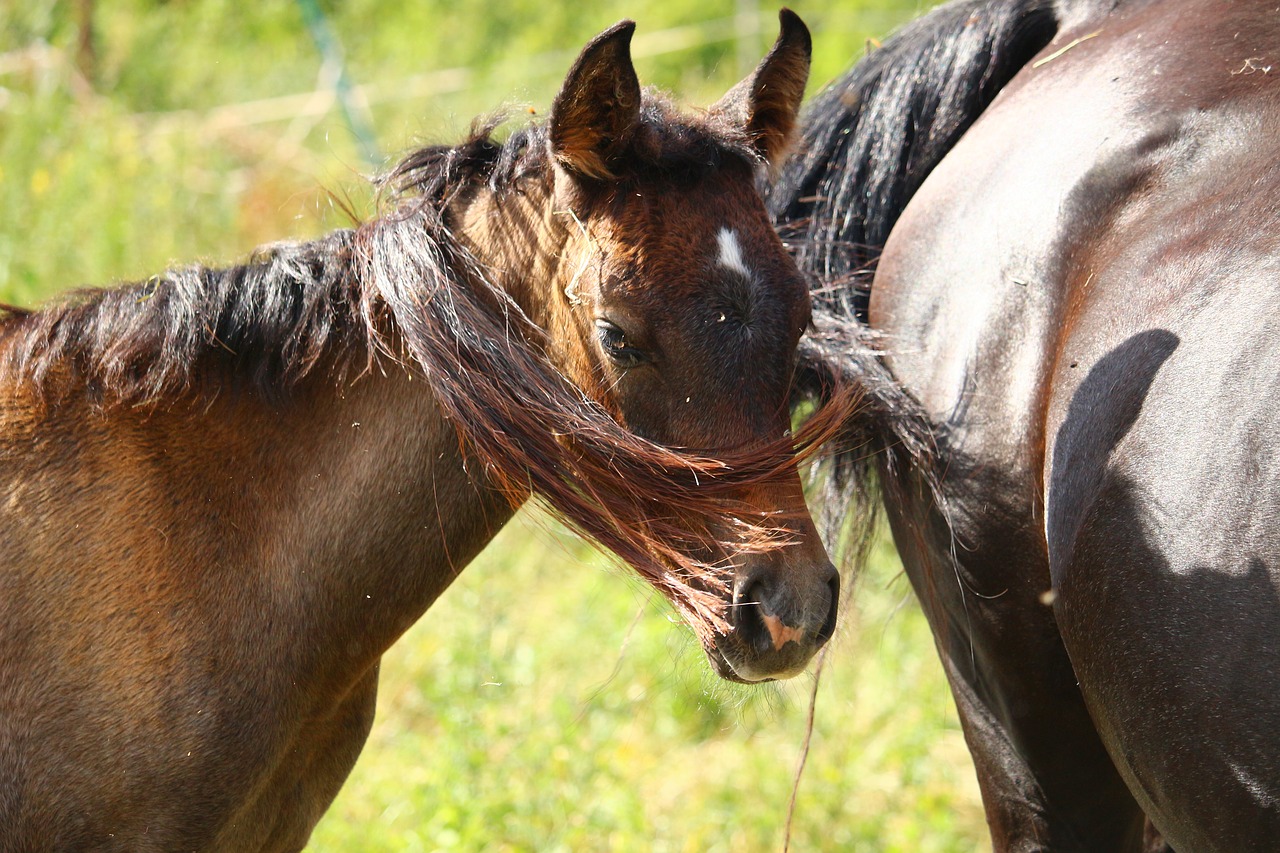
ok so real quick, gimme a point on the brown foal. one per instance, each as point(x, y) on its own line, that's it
point(226, 492)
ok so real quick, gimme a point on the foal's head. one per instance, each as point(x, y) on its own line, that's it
point(640, 256)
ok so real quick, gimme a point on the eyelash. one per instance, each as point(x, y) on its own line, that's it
point(614, 343)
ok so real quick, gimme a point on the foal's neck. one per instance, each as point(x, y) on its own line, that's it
point(411, 511)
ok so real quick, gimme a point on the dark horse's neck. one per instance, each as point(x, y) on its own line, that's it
point(873, 135)
point(867, 144)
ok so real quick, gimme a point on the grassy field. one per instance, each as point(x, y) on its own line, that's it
point(547, 702)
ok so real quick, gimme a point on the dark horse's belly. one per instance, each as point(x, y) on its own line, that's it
point(1084, 296)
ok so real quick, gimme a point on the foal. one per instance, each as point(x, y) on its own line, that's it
point(227, 492)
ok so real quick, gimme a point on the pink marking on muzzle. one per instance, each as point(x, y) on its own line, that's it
point(781, 632)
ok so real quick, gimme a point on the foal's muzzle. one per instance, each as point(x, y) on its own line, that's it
point(779, 621)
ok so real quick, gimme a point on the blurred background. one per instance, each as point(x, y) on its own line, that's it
point(547, 702)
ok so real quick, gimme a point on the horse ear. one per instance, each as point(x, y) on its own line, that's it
point(766, 105)
point(598, 107)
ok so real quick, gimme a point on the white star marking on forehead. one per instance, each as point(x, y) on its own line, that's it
point(731, 252)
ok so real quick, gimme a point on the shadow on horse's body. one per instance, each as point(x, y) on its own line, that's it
point(1079, 209)
point(226, 492)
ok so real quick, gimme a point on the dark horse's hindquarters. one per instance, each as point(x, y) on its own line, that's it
point(224, 493)
point(1078, 207)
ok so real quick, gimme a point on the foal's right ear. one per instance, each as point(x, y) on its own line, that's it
point(598, 107)
point(766, 105)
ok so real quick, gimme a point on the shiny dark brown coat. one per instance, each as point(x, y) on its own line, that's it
point(1079, 210)
point(225, 493)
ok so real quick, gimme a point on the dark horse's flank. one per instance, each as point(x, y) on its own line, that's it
point(1075, 207)
point(226, 492)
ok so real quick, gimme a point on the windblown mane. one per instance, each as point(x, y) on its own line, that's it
point(654, 506)
point(404, 284)
point(871, 137)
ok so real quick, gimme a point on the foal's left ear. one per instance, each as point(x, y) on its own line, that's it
point(767, 103)
point(598, 107)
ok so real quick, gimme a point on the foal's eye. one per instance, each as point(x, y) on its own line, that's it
point(614, 342)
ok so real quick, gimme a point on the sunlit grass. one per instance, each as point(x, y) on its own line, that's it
point(546, 702)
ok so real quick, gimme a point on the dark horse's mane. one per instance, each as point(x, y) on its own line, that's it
point(868, 142)
point(873, 135)
point(402, 288)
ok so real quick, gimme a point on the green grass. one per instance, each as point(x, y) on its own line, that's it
point(137, 167)
point(546, 702)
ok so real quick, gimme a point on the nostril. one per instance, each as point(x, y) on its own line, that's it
point(828, 628)
point(748, 617)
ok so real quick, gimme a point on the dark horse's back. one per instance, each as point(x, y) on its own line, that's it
point(1084, 297)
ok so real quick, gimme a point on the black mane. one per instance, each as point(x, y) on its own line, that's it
point(868, 142)
point(871, 137)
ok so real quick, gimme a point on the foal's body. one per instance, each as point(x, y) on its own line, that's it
point(225, 493)
point(226, 732)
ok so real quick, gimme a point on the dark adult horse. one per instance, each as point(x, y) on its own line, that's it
point(226, 492)
point(1073, 209)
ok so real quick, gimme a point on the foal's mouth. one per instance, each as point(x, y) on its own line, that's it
point(743, 672)
point(726, 670)
point(762, 646)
